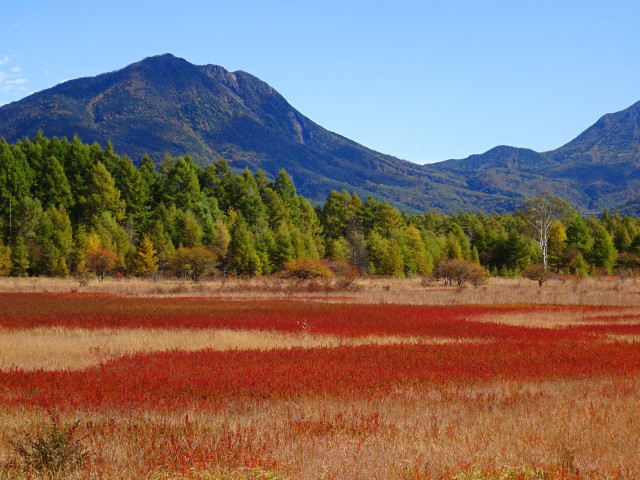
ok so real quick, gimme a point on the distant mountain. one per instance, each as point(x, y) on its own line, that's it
point(598, 169)
point(165, 104)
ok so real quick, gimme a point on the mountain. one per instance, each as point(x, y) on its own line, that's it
point(165, 104)
point(598, 169)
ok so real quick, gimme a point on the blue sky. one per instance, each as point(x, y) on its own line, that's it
point(421, 80)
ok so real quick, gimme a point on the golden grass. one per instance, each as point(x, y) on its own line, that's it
point(563, 318)
point(452, 428)
point(63, 349)
point(599, 291)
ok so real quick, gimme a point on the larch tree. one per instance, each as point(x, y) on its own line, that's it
point(146, 258)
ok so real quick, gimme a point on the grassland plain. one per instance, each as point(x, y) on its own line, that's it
point(262, 379)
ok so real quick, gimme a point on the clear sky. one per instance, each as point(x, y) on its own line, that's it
point(421, 80)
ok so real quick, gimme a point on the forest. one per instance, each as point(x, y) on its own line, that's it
point(68, 208)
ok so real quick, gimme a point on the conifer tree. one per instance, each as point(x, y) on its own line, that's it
point(336, 214)
point(15, 179)
point(284, 250)
point(181, 186)
point(578, 234)
point(242, 257)
point(603, 253)
point(146, 258)
point(19, 258)
point(5, 260)
point(162, 243)
point(53, 186)
point(101, 196)
point(557, 241)
point(190, 231)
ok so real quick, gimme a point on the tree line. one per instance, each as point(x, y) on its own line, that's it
point(71, 208)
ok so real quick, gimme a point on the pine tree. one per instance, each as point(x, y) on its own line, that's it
point(162, 243)
point(283, 186)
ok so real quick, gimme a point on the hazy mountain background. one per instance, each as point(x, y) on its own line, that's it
point(165, 104)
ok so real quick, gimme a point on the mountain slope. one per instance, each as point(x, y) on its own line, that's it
point(165, 104)
point(598, 169)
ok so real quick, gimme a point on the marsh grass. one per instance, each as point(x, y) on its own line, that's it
point(562, 291)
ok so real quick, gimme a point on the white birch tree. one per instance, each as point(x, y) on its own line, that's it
point(539, 215)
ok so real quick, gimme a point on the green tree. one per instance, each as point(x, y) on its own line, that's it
point(134, 191)
point(578, 234)
point(283, 186)
point(284, 250)
point(180, 184)
point(5, 260)
point(622, 239)
point(26, 215)
point(162, 243)
point(415, 244)
point(15, 180)
point(113, 236)
point(387, 220)
point(53, 186)
point(54, 239)
point(385, 256)
point(336, 214)
point(19, 258)
point(190, 231)
point(242, 257)
point(101, 196)
point(603, 253)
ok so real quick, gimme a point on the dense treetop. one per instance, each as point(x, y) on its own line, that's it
point(71, 208)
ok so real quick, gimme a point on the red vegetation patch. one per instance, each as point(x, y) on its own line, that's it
point(21, 311)
point(211, 378)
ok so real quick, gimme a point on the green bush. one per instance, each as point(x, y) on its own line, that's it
point(57, 452)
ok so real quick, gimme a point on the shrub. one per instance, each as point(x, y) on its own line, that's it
point(194, 262)
point(56, 452)
point(345, 272)
point(536, 272)
point(100, 261)
point(460, 271)
point(306, 269)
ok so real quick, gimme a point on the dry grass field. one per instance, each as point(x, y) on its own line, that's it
point(612, 290)
point(263, 379)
